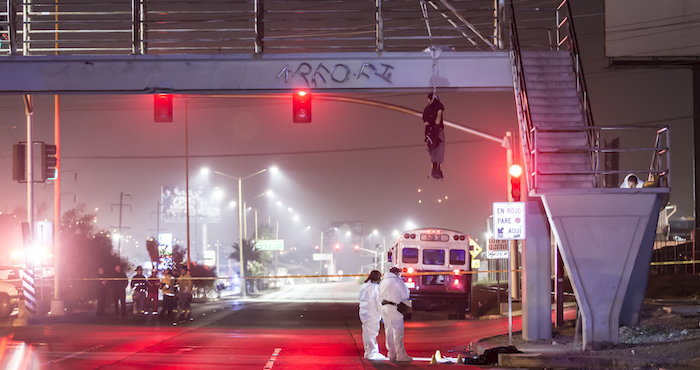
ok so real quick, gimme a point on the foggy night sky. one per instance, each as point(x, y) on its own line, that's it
point(354, 163)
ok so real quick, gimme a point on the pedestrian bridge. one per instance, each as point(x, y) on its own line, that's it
point(604, 233)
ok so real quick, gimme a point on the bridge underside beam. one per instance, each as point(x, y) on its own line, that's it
point(231, 74)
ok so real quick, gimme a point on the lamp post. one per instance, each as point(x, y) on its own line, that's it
point(245, 219)
point(320, 262)
point(240, 219)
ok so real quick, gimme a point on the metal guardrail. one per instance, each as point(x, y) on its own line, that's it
point(559, 20)
point(659, 172)
point(120, 27)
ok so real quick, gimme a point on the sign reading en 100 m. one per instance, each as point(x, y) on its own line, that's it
point(509, 220)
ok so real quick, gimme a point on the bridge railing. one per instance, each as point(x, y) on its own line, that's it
point(121, 27)
point(611, 160)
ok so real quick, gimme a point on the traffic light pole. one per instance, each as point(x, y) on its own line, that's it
point(510, 160)
point(57, 307)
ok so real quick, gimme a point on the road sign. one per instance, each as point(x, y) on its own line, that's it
point(270, 245)
point(209, 258)
point(496, 249)
point(323, 256)
point(509, 220)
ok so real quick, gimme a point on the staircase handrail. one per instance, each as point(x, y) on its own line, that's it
point(567, 23)
point(521, 99)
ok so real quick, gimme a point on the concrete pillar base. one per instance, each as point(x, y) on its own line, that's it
point(599, 236)
point(537, 274)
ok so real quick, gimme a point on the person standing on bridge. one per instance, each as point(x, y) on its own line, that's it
point(370, 315)
point(435, 134)
point(392, 292)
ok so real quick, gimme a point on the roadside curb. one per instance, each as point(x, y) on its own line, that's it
point(539, 360)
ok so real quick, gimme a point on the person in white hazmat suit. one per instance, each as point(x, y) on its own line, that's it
point(631, 181)
point(370, 315)
point(392, 292)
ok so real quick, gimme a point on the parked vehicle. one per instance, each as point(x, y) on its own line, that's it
point(433, 264)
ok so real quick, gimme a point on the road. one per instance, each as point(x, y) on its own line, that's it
point(313, 326)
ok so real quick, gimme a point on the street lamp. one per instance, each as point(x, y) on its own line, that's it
point(240, 219)
point(245, 219)
point(320, 262)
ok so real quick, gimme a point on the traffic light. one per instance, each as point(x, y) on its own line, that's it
point(301, 107)
point(49, 162)
point(19, 162)
point(162, 108)
point(515, 172)
point(337, 247)
point(357, 248)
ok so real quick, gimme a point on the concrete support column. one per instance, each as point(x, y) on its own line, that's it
point(537, 273)
point(600, 235)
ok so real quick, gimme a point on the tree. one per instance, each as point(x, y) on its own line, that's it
point(252, 258)
point(153, 253)
point(266, 232)
point(250, 253)
point(85, 248)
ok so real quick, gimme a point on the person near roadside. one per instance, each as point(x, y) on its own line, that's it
point(393, 292)
point(185, 296)
point(139, 286)
point(167, 286)
point(153, 289)
point(371, 315)
point(119, 284)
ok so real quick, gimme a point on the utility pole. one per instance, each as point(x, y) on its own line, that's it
point(120, 227)
point(157, 230)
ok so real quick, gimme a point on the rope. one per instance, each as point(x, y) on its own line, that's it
point(434, 53)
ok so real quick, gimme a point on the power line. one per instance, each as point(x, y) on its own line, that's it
point(308, 152)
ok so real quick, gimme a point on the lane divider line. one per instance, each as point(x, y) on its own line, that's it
point(271, 362)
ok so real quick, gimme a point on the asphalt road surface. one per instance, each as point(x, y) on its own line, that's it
point(312, 326)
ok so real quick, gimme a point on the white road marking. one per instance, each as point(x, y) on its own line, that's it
point(271, 361)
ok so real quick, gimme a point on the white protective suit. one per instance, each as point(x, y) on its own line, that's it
point(370, 315)
point(626, 185)
point(393, 289)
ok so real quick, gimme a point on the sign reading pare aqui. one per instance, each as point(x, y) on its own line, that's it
point(508, 220)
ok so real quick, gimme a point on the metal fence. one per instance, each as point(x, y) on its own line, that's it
point(121, 27)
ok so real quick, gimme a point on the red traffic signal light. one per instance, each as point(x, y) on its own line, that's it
point(163, 108)
point(357, 248)
point(301, 107)
point(337, 247)
point(515, 172)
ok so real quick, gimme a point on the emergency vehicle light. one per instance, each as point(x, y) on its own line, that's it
point(456, 271)
point(461, 237)
point(410, 270)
